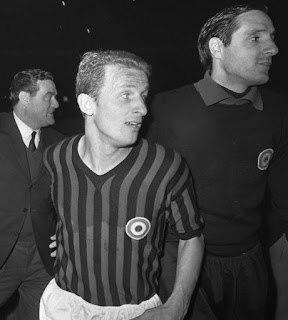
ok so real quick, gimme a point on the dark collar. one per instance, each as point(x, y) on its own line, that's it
point(212, 93)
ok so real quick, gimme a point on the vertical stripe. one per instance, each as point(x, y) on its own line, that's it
point(127, 191)
point(96, 259)
point(153, 164)
point(74, 198)
point(65, 214)
point(60, 199)
point(97, 242)
point(123, 183)
point(105, 240)
point(113, 222)
point(90, 239)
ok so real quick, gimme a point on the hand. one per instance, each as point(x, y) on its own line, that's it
point(52, 245)
point(157, 313)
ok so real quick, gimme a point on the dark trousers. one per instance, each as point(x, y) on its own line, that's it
point(279, 264)
point(24, 271)
point(229, 288)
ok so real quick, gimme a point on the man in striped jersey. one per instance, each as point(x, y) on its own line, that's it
point(114, 195)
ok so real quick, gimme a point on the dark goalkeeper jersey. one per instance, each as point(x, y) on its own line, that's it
point(237, 151)
point(110, 227)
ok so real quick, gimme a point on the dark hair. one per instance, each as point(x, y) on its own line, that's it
point(91, 70)
point(26, 80)
point(222, 25)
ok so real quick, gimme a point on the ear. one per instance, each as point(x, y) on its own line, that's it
point(86, 104)
point(216, 47)
point(24, 98)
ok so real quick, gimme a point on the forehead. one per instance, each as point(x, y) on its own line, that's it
point(255, 20)
point(120, 76)
point(46, 86)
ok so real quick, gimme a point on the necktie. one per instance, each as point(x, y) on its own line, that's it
point(32, 146)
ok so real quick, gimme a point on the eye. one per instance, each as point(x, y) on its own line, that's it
point(255, 38)
point(48, 97)
point(125, 95)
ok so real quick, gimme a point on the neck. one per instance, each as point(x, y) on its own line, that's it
point(100, 158)
point(227, 82)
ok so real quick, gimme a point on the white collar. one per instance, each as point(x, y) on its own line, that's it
point(26, 131)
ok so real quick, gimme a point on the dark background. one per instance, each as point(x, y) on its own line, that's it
point(53, 34)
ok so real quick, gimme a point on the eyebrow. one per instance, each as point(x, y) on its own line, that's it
point(259, 30)
point(132, 86)
point(53, 93)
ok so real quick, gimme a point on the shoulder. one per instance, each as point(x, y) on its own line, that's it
point(171, 107)
point(167, 167)
point(53, 134)
point(5, 117)
point(175, 94)
point(61, 147)
point(162, 154)
point(50, 136)
point(174, 103)
point(274, 102)
point(177, 91)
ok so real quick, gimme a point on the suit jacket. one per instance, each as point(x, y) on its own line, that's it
point(19, 195)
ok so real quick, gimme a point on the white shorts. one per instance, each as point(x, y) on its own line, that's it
point(59, 304)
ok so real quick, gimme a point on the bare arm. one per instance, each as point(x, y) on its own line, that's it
point(190, 255)
point(189, 261)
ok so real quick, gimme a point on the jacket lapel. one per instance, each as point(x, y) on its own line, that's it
point(44, 143)
point(8, 126)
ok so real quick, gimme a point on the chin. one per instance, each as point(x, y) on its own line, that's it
point(129, 143)
point(263, 80)
point(259, 80)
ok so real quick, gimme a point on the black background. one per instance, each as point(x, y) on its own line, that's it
point(53, 34)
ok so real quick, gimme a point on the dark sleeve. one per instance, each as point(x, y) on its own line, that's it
point(278, 184)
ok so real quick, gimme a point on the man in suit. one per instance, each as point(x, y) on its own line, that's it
point(27, 219)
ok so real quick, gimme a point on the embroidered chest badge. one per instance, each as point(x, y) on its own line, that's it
point(264, 158)
point(137, 228)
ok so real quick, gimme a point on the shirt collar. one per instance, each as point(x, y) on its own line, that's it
point(212, 93)
point(25, 130)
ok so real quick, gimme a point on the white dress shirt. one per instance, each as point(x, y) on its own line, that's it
point(26, 132)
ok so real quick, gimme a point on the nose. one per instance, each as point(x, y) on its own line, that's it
point(141, 107)
point(54, 103)
point(272, 49)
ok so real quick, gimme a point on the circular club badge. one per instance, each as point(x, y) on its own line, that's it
point(137, 228)
point(264, 158)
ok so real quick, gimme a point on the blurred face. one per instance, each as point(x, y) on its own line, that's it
point(42, 106)
point(247, 60)
point(120, 108)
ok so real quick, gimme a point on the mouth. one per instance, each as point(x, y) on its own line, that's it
point(266, 64)
point(134, 124)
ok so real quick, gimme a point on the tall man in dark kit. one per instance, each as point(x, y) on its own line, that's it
point(27, 218)
point(234, 136)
